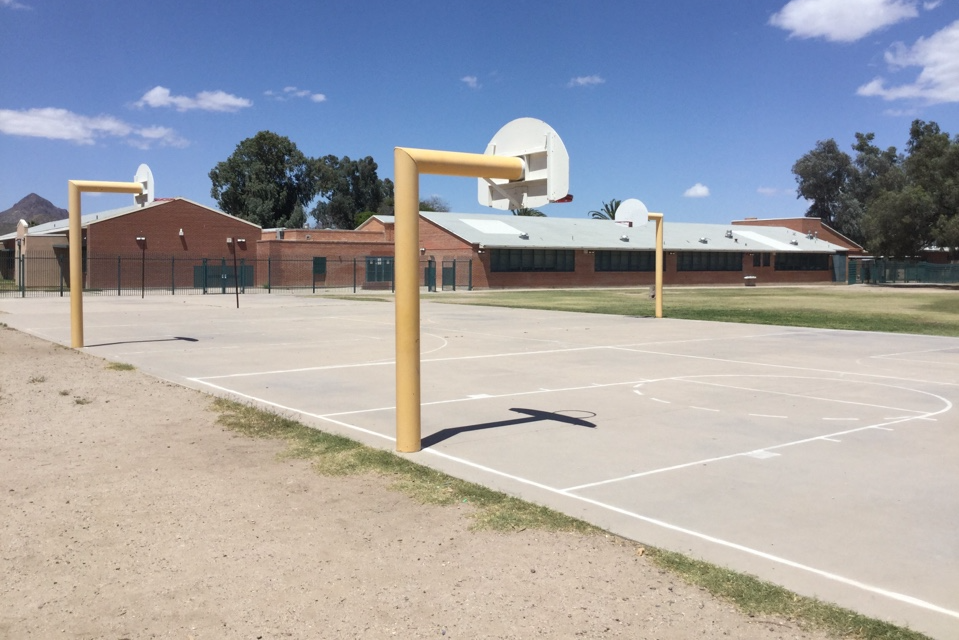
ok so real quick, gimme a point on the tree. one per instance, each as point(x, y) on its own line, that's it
point(824, 176)
point(933, 165)
point(608, 211)
point(893, 204)
point(267, 180)
point(525, 211)
point(899, 223)
point(434, 203)
point(348, 188)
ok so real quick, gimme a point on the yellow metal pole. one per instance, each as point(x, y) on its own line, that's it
point(75, 241)
point(408, 165)
point(75, 244)
point(406, 197)
point(658, 217)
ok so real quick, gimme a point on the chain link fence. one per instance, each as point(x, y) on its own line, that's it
point(882, 271)
point(49, 275)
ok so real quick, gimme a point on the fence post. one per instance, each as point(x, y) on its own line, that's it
point(354, 275)
point(470, 285)
point(60, 269)
point(269, 274)
point(205, 275)
point(241, 276)
point(454, 274)
point(172, 275)
point(118, 276)
point(223, 276)
point(21, 277)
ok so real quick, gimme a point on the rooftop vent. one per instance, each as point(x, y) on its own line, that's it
point(794, 242)
point(729, 233)
point(624, 238)
point(704, 240)
point(523, 235)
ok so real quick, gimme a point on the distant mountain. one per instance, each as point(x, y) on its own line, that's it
point(34, 209)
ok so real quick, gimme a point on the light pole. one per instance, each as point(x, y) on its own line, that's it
point(142, 241)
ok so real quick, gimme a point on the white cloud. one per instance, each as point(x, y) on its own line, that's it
point(938, 81)
point(698, 190)
point(204, 101)
point(470, 81)
point(585, 81)
point(841, 20)
point(13, 4)
point(294, 92)
point(60, 124)
point(929, 6)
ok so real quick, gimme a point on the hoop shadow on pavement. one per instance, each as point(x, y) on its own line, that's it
point(173, 339)
point(533, 415)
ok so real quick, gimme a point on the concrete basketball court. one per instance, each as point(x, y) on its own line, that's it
point(824, 461)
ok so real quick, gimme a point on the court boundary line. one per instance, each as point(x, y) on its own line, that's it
point(893, 595)
point(627, 348)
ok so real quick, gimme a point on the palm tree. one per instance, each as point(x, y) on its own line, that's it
point(524, 211)
point(608, 212)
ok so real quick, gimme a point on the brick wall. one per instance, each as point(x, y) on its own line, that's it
point(169, 257)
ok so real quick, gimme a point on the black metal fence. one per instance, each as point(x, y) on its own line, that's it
point(46, 275)
point(882, 271)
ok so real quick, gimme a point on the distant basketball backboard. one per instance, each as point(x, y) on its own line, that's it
point(145, 177)
point(546, 175)
point(632, 213)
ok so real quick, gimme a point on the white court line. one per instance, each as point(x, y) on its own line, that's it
point(693, 379)
point(380, 363)
point(712, 539)
point(659, 523)
point(478, 396)
point(764, 415)
point(686, 465)
point(587, 348)
point(858, 374)
point(294, 410)
point(895, 356)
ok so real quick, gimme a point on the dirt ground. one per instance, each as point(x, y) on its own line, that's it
point(128, 512)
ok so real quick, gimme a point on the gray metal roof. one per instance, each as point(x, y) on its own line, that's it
point(58, 227)
point(522, 232)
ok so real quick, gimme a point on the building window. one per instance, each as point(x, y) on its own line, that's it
point(379, 269)
point(802, 262)
point(625, 261)
point(532, 260)
point(760, 259)
point(709, 261)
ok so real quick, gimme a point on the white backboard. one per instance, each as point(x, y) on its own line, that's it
point(632, 211)
point(546, 178)
point(145, 177)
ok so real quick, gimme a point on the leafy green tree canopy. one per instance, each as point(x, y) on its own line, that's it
point(526, 211)
point(267, 180)
point(434, 203)
point(350, 187)
point(894, 204)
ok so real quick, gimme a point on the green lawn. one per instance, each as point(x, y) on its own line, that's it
point(862, 308)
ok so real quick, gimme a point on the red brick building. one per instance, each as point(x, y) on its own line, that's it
point(504, 251)
point(118, 244)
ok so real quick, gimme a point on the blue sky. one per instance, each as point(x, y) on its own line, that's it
point(699, 109)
